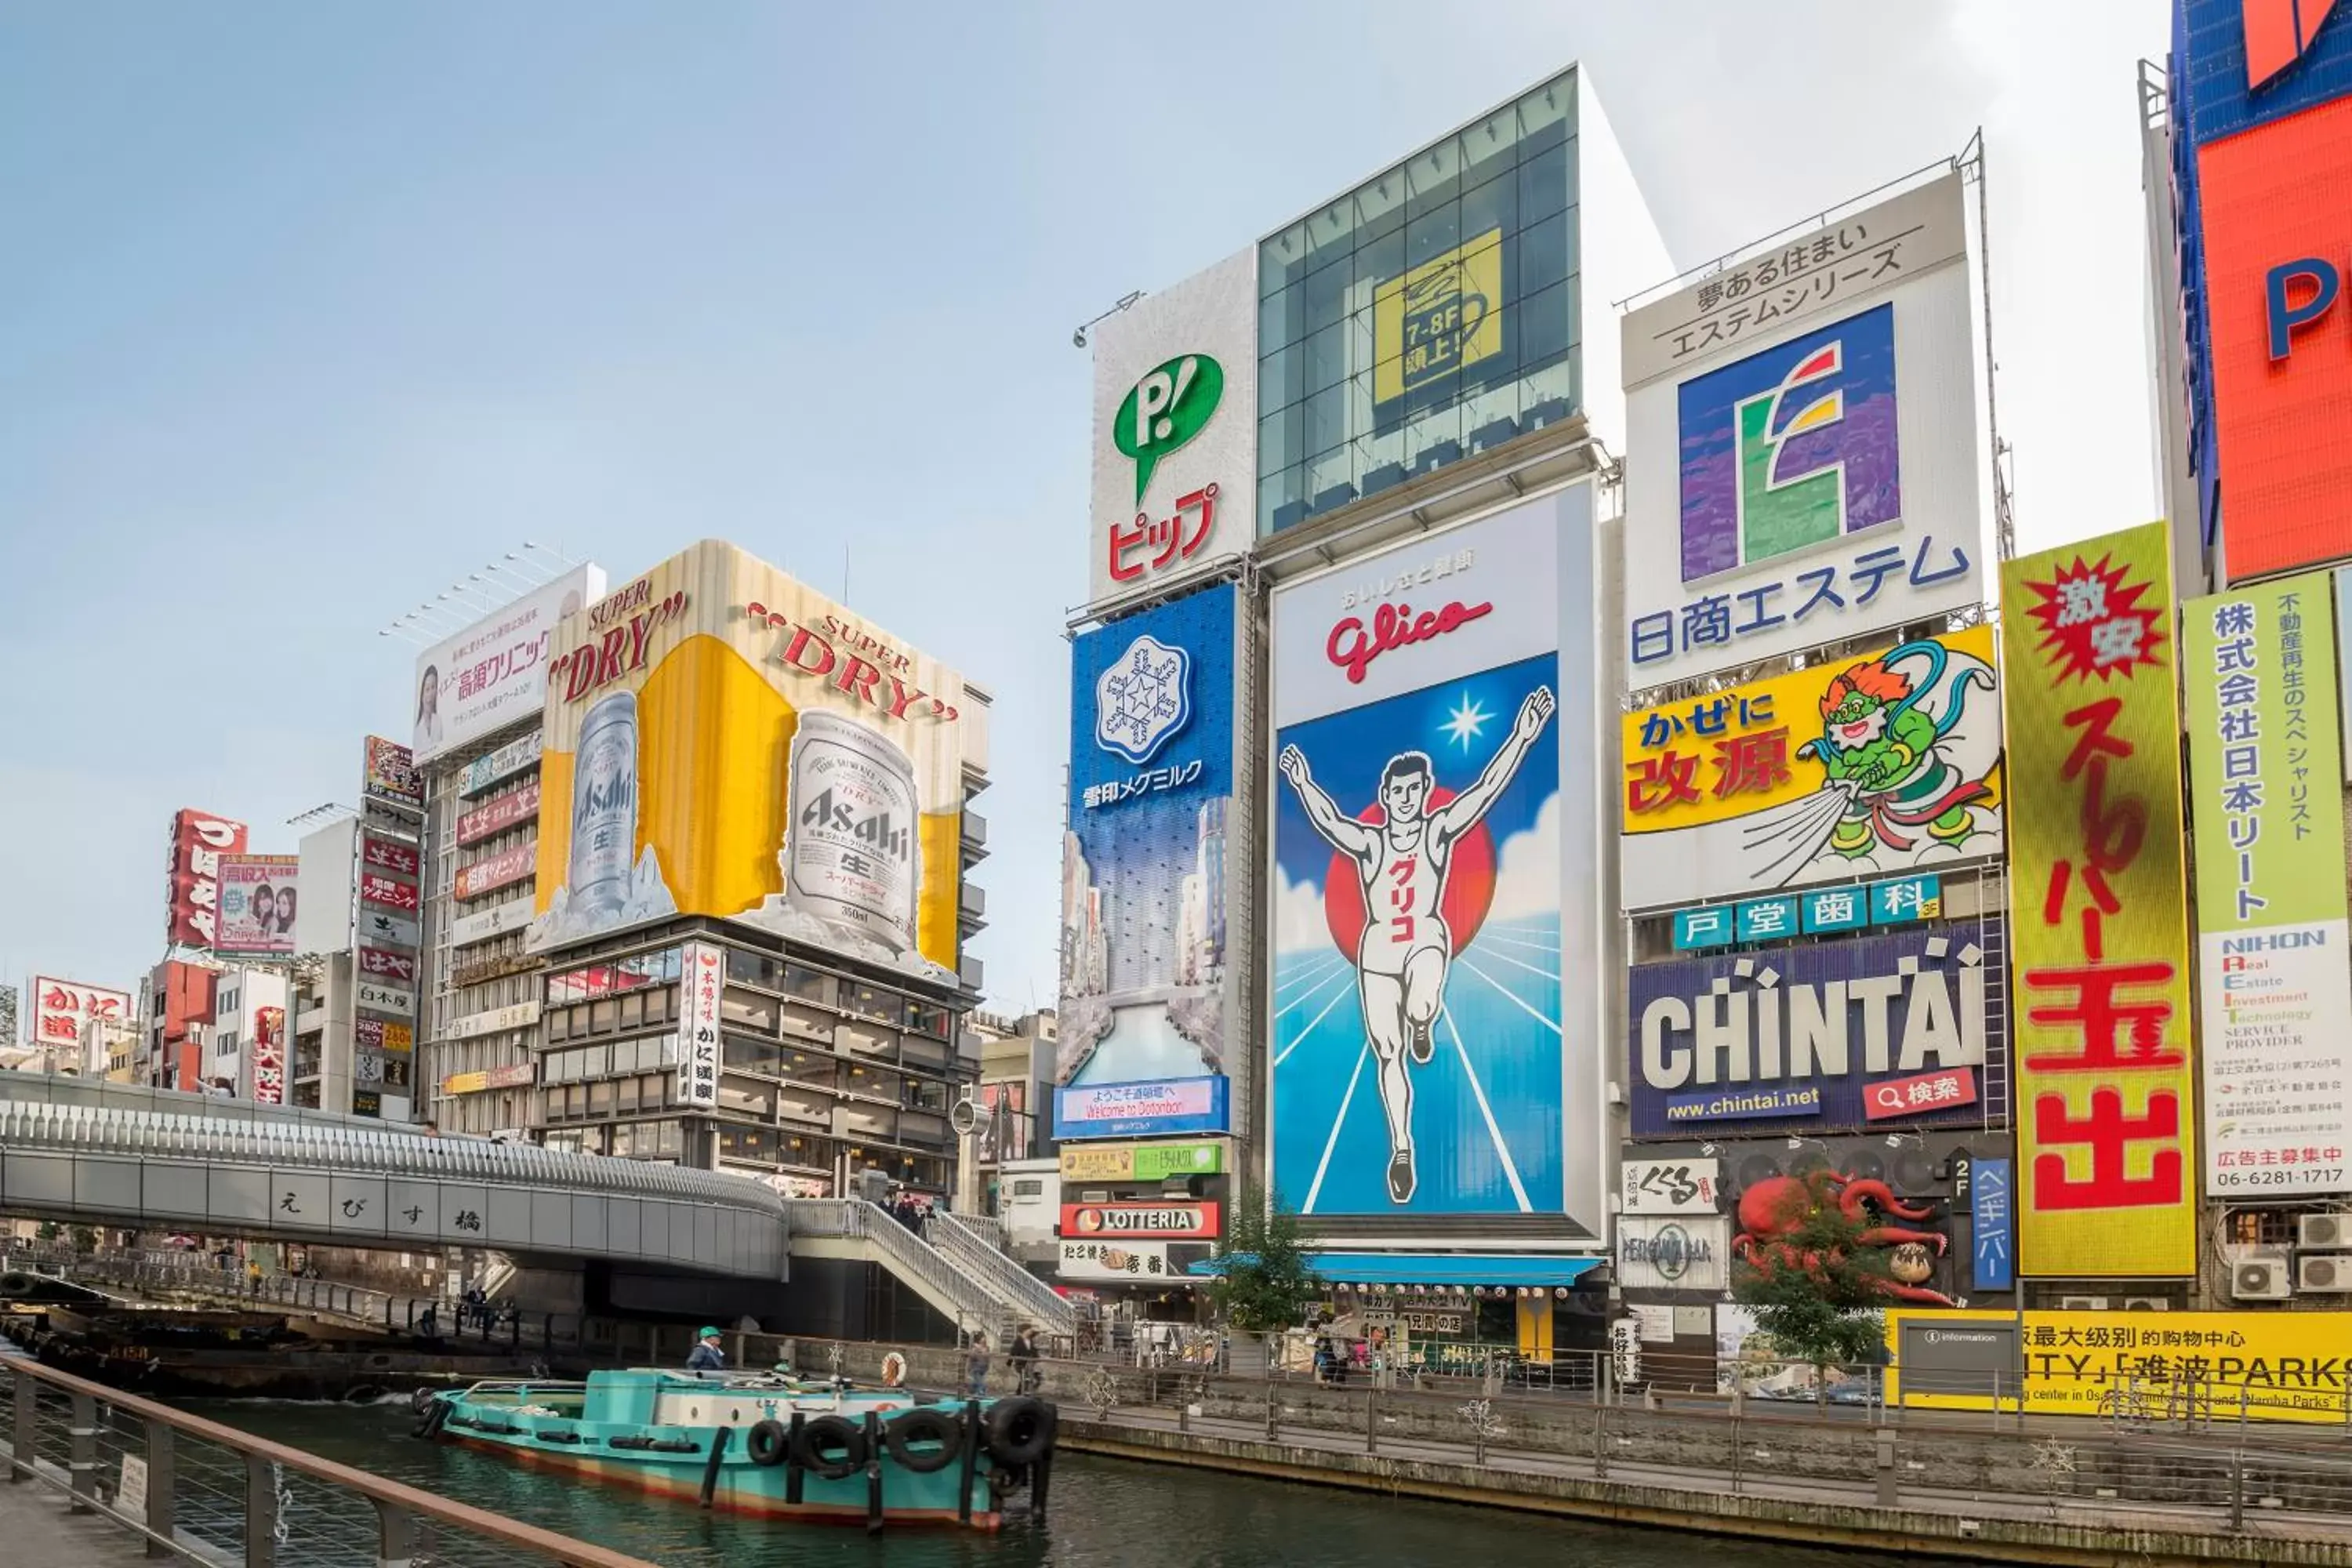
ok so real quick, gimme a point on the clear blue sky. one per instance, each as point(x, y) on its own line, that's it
point(309, 309)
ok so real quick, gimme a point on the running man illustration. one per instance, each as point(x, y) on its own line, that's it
point(1400, 860)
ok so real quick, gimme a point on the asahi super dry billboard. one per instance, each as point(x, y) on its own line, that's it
point(722, 740)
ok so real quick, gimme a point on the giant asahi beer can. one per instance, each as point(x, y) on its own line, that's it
point(604, 806)
point(852, 854)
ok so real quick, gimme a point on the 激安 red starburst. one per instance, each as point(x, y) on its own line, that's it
point(2092, 622)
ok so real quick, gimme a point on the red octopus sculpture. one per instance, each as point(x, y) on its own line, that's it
point(1771, 1210)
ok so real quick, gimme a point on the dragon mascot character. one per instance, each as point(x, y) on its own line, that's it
point(1895, 736)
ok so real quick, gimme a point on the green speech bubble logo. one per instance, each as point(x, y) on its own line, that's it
point(1166, 409)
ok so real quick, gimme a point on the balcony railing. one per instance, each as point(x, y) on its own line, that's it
point(197, 1491)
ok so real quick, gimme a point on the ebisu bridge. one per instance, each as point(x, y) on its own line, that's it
point(654, 1238)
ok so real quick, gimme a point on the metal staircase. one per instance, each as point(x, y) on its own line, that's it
point(964, 1279)
point(1027, 1298)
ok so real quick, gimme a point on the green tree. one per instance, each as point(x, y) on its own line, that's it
point(1817, 1288)
point(1262, 1281)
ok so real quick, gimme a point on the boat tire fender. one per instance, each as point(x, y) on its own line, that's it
point(767, 1442)
point(924, 1426)
point(419, 1400)
point(1019, 1430)
point(432, 1419)
point(836, 1435)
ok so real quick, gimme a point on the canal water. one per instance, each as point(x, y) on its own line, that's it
point(1105, 1514)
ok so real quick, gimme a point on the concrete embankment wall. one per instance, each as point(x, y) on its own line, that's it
point(1973, 1494)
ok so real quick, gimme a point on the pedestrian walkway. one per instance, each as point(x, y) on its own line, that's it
point(1765, 1502)
point(38, 1529)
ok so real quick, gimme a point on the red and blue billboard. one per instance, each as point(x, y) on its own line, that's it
point(2262, 170)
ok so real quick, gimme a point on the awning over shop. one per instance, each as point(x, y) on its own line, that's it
point(1449, 1268)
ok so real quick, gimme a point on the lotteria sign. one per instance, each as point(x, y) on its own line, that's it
point(1179, 1221)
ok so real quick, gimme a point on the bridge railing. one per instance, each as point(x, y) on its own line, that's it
point(43, 1126)
point(1019, 1290)
point(201, 1492)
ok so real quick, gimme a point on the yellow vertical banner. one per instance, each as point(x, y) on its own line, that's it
point(2098, 911)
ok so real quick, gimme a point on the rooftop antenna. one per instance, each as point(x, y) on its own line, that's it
point(1126, 301)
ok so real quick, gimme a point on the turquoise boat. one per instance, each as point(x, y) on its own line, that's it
point(767, 1443)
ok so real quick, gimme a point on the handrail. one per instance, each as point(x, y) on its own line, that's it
point(377, 1488)
point(908, 1253)
point(986, 1226)
point(1024, 1290)
point(39, 1125)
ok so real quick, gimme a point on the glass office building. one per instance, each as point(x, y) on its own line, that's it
point(1428, 315)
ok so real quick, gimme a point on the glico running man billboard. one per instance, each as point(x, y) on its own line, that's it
point(722, 740)
point(1435, 1025)
point(1801, 444)
point(1146, 878)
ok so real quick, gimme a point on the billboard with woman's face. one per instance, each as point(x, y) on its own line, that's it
point(255, 918)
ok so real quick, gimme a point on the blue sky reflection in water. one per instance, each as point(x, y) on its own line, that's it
point(1106, 1514)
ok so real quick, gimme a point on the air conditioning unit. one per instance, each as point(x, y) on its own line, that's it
point(2147, 1304)
point(2082, 1303)
point(2322, 1232)
point(2261, 1280)
point(2326, 1271)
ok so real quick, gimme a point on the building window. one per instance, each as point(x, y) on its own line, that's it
point(746, 1055)
point(808, 984)
point(1424, 317)
point(754, 1145)
point(869, 1002)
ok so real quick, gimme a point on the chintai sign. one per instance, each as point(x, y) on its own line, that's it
point(1890, 1030)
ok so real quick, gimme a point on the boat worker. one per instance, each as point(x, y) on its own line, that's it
point(706, 1356)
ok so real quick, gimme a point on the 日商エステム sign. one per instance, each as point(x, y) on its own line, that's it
point(1802, 446)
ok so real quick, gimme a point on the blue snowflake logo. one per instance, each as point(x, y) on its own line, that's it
point(1143, 699)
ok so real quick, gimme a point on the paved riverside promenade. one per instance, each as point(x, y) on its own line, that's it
point(37, 1530)
point(1763, 1503)
point(2053, 1490)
